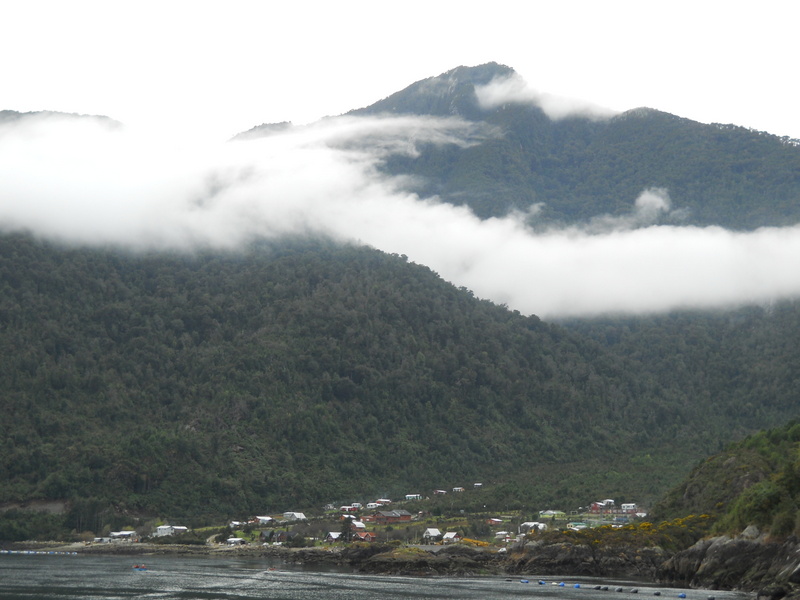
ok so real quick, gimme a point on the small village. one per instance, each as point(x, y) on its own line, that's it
point(413, 520)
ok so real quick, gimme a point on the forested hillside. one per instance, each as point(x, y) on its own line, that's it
point(306, 372)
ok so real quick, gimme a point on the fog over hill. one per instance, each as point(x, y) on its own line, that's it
point(553, 208)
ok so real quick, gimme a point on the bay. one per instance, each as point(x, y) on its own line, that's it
point(68, 577)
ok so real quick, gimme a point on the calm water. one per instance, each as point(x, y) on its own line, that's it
point(111, 577)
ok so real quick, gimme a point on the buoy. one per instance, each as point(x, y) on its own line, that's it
point(634, 591)
point(681, 595)
point(561, 584)
point(597, 587)
point(577, 585)
point(656, 593)
point(523, 581)
point(618, 590)
point(542, 582)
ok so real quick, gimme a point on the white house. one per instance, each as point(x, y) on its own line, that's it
point(413, 496)
point(294, 516)
point(264, 520)
point(432, 535)
point(451, 537)
point(383, 501)
point(162, 530)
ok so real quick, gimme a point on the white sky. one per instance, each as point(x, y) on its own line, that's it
point(186, 76)
point(218, 68)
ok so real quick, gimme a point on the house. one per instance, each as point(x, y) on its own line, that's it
point(264, 520)
point(494, 521)
point(383, 501)
point(235, 541)
point(332, 536)
point(431, 535)
point(294, 516)
point(629, 508)
point(532, 526)
point(451, 537)
point(348, 509)
point(392, 516)
point(127, 536)
point(477, 485)
point(458, 489)
point(372, 505)
point(365, 536)
point(357, 525)
point(162, 530)
point(439, 492)
point(413, 496)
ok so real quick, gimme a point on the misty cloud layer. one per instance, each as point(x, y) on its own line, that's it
point(79, 181)
point(515, 89)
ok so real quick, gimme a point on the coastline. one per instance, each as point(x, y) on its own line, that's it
point(770, 571)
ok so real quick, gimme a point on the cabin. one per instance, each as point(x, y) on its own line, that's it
point(431, 535)
point(413, 496)
point(264, 520)
point(365, 536)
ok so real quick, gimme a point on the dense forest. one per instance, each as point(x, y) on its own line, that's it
point(305, 372)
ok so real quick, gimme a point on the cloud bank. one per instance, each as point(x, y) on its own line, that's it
point(514, 89)
point(79, 181)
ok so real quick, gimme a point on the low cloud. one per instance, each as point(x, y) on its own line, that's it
point(81, 182)
point(514, 90)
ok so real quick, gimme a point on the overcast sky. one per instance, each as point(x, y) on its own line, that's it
point(222, 67)
point(185, 76)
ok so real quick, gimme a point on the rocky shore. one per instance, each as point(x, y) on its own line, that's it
point(749, 562)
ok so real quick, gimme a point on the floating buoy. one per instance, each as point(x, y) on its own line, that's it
point(656, 593)
point(618, 590)
point(561, 584)
point(523, 581)
point(681, 595)
point(542, 582)
point(577, 585)
point(634, 591)
point(597, 587)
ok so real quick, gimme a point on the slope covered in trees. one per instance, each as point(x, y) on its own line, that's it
point(307, 372)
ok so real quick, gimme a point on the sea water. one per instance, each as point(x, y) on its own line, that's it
point(62, 577)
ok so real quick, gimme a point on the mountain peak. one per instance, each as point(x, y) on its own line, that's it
point(448, 94)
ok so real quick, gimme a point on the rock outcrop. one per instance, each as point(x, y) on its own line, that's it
point(745, 562)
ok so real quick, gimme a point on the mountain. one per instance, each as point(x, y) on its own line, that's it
point(301, 371)
point(575, 168)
